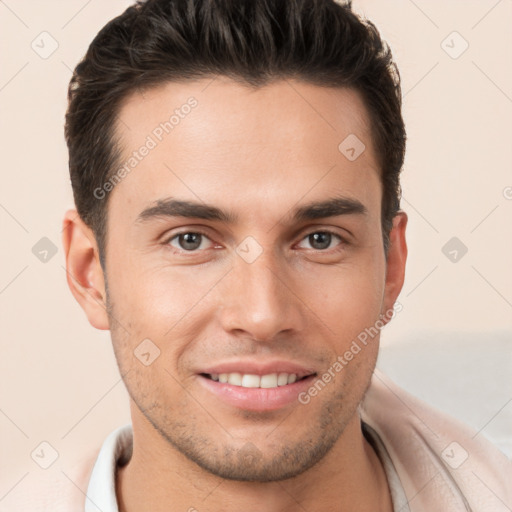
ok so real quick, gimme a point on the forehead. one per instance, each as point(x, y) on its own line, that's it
point(218, 141)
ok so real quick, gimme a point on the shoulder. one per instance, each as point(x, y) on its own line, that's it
point(439, 460)
point(60, 488)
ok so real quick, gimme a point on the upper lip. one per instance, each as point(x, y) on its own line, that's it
point(259, 368)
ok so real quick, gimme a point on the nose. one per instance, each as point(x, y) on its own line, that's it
point(258, 299)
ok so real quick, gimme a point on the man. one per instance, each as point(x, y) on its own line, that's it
point(235, 168)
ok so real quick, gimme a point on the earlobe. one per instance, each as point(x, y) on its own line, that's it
point(395, 265)
point(83, 269)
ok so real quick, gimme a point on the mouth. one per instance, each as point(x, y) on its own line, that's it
point(256, 388)
point(249, 380)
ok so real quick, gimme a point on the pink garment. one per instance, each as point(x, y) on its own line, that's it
point(443, 465)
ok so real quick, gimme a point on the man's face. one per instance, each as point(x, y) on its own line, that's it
point(259, 292)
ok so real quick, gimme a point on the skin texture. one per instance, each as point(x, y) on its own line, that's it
point(257, 154)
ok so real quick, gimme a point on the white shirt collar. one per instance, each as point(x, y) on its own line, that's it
point(116, 450)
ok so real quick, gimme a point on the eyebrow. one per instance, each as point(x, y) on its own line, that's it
point(329, 208)
point(178, 208)
point(171, 207)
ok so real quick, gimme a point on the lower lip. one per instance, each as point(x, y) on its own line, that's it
point(256, 399)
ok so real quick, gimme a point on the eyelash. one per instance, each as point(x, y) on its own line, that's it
point(343, 242)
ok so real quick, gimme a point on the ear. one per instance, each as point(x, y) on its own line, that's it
point(83, 269)
point(395, 265)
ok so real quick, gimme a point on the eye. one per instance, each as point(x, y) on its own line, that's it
point(321, 240)
point(189, 241)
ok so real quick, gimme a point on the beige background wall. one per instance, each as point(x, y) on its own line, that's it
point(451, 344)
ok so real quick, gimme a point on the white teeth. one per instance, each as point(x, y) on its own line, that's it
point(292, 378)
point(271, 380)
point(251, 381)
point(282, 379)
point(235, 379)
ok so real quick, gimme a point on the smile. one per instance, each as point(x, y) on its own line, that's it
point(253, 392)
point(248, 380)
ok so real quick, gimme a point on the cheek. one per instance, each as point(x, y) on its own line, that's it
point(170, 306)
point(347, 297)
point(150, 292)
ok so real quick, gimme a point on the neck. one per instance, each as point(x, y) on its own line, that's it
point(159, 478)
